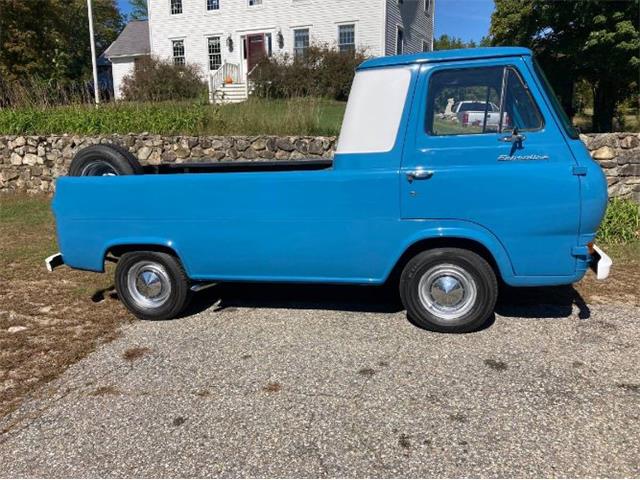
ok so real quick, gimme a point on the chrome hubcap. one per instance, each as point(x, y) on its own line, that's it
point(447, 291)
point(98, 168)
point(148, 284)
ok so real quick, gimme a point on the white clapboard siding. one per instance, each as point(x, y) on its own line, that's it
point(235, 18)
point(416, 22)
point(375, 22)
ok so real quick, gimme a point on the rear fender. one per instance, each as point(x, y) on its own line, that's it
point(143, 244)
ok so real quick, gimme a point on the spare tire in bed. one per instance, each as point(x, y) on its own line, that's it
point(104, 160)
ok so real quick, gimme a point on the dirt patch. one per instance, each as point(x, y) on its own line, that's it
point(135, 353)
point(106, 390)
point(495, 364)
point(623, 284)
point(59, 323)
point(272, 387)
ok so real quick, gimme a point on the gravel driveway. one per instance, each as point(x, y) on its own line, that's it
point(307, 381)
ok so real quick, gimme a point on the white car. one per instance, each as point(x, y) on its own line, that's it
point(471, 113)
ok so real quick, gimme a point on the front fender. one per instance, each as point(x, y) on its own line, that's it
point(460, 230)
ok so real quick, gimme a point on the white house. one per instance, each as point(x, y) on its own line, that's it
point(227, 38)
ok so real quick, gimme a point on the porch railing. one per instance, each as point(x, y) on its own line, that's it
point(228, 72)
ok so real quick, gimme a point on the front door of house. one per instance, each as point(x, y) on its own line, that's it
point(256, 50)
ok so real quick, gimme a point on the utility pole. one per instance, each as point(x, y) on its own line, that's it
point(92, 40)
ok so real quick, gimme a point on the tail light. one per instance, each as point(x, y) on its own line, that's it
point(465, 119)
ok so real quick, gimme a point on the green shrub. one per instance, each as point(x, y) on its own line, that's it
point(621, 223)
point(158, 80)
point(321, 72)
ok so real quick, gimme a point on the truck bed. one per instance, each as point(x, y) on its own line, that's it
point(246, 166)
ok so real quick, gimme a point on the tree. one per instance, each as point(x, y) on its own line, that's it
point(49, 39)
point(445, 42)
point(139, 10)
point(593, 40)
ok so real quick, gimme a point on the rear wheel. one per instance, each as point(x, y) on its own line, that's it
point(448, 290)
point(152, 285)
point(104, 160)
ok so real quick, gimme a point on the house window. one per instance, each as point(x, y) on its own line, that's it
point(399, 41)
point(178, 52)
point(215, 53)
point(347, 38)
point(213, 5)
point(427, 6)
point(300, 42)
point(254, 3)
point(269, 40)
point(176, 7)
point(426, 46)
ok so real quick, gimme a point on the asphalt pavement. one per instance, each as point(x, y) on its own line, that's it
point(281, 381)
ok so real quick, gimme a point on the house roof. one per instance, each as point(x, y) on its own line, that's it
point(132, 41)
point(446, 56)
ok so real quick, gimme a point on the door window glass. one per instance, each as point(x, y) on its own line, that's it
point(480, 100)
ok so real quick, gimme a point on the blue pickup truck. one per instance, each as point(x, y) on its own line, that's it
point(444, 208)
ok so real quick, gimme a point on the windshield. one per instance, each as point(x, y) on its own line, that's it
point(564, 118)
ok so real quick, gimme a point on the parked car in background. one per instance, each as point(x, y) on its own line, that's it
point(473, 113)
point(441, 214)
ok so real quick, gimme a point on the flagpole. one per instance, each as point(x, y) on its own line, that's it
point(96, 91)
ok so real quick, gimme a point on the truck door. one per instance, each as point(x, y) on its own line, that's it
point(522, 187)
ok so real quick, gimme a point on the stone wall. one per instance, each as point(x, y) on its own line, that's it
point(619, 156)
point(32, 163)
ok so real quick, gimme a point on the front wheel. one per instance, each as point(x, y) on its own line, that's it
point(449, 290)
point(152, 285)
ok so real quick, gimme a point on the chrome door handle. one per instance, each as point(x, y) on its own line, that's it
point(419, 174)
point(513, 138)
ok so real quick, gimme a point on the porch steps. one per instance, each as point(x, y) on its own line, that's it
point(231, 93)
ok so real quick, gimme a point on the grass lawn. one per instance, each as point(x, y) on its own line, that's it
point(583, 121)
point(300, 116)
point(68, 313)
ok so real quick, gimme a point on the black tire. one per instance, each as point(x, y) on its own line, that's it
point(459, 290)
point(139, 297)
point(104, 159)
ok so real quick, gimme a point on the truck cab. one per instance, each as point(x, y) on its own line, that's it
point(450, 208)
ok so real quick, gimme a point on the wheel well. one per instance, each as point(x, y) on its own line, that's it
point(119, 250)
point(440, 242)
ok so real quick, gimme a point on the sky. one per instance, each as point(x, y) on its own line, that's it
point(466, 19)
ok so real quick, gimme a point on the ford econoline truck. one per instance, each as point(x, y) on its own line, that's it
point(446, 209)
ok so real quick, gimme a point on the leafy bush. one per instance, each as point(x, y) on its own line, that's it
point(157, 80)
point(321, 72)
point(621, 223)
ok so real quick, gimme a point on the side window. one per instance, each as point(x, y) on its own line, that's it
point(521, 110)
point(479, 100)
